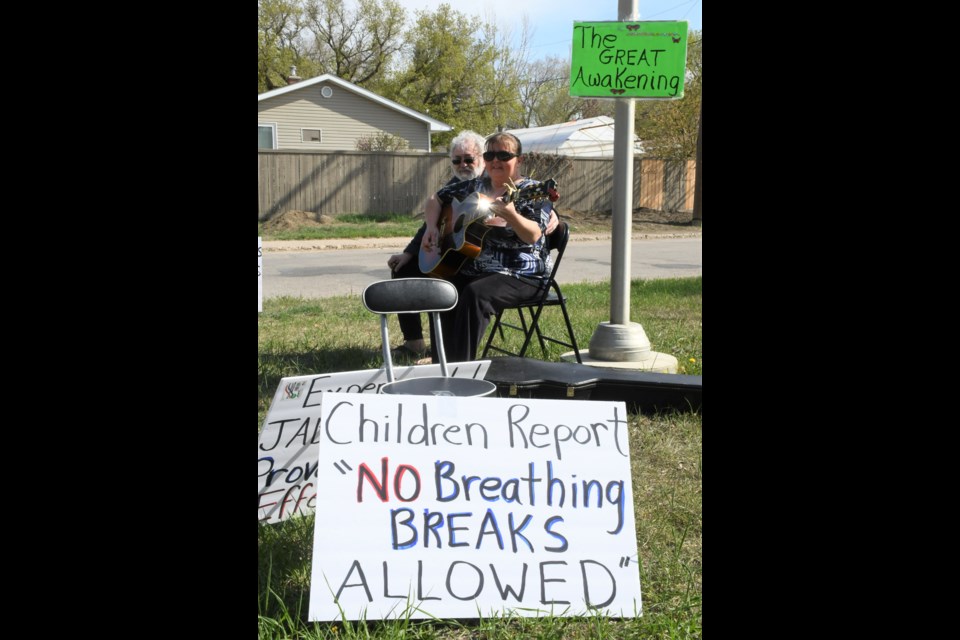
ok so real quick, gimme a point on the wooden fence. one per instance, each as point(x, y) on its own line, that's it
point(383, 182)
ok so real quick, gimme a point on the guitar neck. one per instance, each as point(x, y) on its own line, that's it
point(539, 191)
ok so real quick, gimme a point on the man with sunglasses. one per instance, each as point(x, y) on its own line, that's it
point(512, 263)
point(466, 156)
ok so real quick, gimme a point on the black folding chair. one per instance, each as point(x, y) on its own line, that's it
point(550, 296)
point(420, 295)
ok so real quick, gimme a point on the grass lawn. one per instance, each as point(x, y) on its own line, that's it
point(306, 336)
point(347, 226)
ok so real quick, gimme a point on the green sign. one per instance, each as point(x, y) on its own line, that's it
point(629, 59)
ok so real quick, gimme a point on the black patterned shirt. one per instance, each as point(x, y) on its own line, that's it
point(502, 250)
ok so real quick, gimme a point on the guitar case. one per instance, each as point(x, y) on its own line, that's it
point(642, 391)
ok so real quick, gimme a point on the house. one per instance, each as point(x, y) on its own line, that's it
point(590, 137)
point(328, 113)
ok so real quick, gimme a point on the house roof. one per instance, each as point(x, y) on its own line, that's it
point(435, 125)
point(587, 137)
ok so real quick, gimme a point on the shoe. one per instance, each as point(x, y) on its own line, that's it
point(427, 360)
point(406, 352)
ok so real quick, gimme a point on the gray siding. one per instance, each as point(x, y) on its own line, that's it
point(343, 118)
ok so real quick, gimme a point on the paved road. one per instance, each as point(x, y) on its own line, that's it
point(318, 274)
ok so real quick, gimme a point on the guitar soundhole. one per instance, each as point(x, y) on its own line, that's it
point(458, 225)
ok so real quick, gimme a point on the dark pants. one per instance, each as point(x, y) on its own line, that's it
point(480, 297)
point(410, 322)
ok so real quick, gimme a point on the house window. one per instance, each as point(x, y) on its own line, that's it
point(268, 136)
point(310, 135)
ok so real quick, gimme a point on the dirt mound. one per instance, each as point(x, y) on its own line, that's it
point(295, 219)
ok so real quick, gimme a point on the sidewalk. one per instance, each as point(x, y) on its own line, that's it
point(398, 244)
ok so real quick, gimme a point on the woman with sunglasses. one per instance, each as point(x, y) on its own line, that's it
point(511, 265)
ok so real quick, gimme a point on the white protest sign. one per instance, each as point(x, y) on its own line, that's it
point(467, 507)
point(259, 274)
point(287, 445)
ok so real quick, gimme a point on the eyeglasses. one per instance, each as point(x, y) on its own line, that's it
point(466, 160)
point(503, 156)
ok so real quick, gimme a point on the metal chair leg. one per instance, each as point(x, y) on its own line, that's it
point(573, 338)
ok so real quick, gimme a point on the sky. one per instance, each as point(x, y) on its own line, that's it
point(552, 20)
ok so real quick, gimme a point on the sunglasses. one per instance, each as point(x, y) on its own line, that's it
point(466, 160)
point(503, 156)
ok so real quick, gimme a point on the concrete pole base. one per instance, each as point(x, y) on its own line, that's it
point(619, 342)
point(624, 346)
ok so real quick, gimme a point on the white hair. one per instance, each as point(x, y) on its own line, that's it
point(468, 138)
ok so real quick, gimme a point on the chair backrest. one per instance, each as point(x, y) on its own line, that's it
point(410, 295)
point(557, 241)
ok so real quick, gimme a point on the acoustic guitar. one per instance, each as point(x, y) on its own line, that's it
point(463, 225)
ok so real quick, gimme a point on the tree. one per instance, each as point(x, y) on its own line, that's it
point(502, 82)
point(545, 95)
point(462, 71)
point(280, 44)
point(357, 45)
point(469, 73)
point(323, 36)
point(539, 87)
point(445, 71)
point(669, 128)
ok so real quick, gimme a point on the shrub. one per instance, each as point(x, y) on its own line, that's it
point(382, 141)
